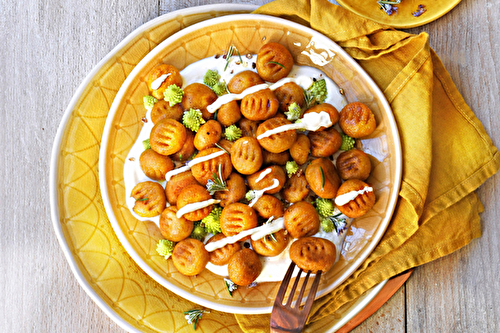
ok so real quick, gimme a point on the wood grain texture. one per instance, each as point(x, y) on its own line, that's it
point(48, 49)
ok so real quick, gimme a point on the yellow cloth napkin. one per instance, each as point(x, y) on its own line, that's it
point(446, 152)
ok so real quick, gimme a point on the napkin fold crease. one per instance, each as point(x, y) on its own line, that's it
point(447, 154)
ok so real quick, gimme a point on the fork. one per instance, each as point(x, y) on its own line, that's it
point(288, 318)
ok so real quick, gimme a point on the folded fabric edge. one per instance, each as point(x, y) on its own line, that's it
point(367, 279)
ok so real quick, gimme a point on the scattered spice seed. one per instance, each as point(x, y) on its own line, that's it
point(144, 120)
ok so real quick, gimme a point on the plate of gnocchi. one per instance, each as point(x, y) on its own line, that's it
point(241, 144)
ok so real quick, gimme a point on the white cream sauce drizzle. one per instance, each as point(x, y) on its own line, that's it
point(310, 121)
point(259, 193)
point(303, 81)
point(195, 206)
point(157, 83)
point(263, 174)
point(194, 161)
point(345, 198)
point(265, 229)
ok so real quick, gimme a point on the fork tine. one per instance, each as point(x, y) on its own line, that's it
point(312, 294)
point(284, 284)
point(292, 292)
point(302, 290)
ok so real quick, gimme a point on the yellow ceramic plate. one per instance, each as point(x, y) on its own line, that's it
point(403, 18)
point(248, 33)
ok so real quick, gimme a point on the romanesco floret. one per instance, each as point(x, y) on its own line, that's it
point(347, 142)
point(294, 112)
point(220, 88)
point(316, 93)
point(327, 225)
point(193, 119)
point(146, 144)
point(173, 94)
point(211, 78)
point(165, 248)
point(232, 133)
point(250, 195)
point(199, 232)
point(324, 207)
point(212, 221)
point(149, 102)
point(291, 168)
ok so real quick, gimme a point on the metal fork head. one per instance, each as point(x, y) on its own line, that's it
point(289, 317)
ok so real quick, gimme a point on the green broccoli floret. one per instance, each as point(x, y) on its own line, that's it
point(327, 225)
point(291, 168)
point(316, 93)
point(199, 232)
point(165, 248)
point(211, 78)
point(294, 112)
point(149, 102)
point(233, 133)
point(212, 221)
point(324, 207)
point(250, 195)
point(173, 94)
point(146, 144)
point(347, 142)
point(193, 119)
point(220, 88)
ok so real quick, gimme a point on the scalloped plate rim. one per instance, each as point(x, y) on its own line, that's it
point(54, 159)
point(104, 143)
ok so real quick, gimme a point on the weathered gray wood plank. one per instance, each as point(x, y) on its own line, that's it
point(48, 47)
point(461, 292)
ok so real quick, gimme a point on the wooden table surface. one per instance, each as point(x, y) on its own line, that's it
point(47, 49)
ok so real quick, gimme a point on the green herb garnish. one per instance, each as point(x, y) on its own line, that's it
point(149, 102)
point(165, 248)
point(232, 133)
point(146, 144)
point(193, 119)
point(322, 177)
point(347, 142)
point(220, 147)
point(316, 93)
point(230, 286)
point(192, 316)
point(276, 63)
point(230, 52)
point(212, 221)
point(294, 112)
point(324, 207)
point(143, 199)
point(291, 168)
point(173, 94)
point(217, 184)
